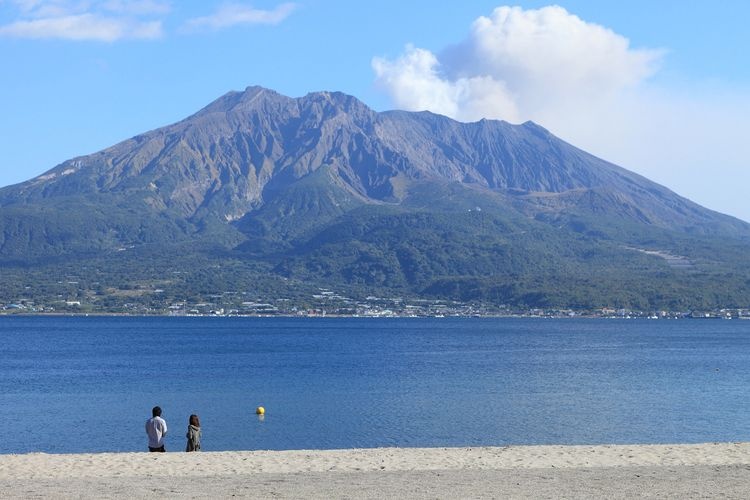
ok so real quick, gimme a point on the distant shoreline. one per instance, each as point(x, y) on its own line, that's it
point(345, 316)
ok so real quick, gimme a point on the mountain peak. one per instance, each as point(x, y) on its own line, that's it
point(254, 89)
point(235, 98)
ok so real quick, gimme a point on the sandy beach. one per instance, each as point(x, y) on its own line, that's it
point(622, 471)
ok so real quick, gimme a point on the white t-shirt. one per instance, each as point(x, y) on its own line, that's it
point(156, 428)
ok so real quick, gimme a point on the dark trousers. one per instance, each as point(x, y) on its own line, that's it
point(160, 448)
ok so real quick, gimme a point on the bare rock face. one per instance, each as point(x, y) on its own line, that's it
point(232, 157)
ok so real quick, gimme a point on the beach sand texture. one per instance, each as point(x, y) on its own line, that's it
point(720, 470)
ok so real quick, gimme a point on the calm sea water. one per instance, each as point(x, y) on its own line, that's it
point(88, 384)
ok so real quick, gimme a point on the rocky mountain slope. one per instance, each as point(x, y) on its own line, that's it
point(324, 190)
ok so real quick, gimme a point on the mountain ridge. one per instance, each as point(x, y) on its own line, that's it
point(324, 114)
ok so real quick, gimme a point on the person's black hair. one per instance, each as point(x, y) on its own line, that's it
point(194, 420)
point(156, 411)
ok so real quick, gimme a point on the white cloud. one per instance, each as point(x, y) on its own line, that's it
point(415, 83)
point(106, 21)
point(46, 8)
point(235, 14)
point(56, 8)
point(586, 84)
point(515, 63)
point(138, 7)
point(28, 5)
point(83, 27)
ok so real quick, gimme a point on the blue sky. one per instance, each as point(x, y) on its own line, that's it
point(661, 88)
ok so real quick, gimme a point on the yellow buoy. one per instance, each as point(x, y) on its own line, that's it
point(260, 410)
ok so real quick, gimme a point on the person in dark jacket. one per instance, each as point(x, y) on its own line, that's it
point(193, 434)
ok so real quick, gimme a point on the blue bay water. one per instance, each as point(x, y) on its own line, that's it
point(76, 384)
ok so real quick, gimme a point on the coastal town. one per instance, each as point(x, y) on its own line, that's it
point(327, 303)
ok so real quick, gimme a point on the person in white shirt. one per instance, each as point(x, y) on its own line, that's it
point(156, 428)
